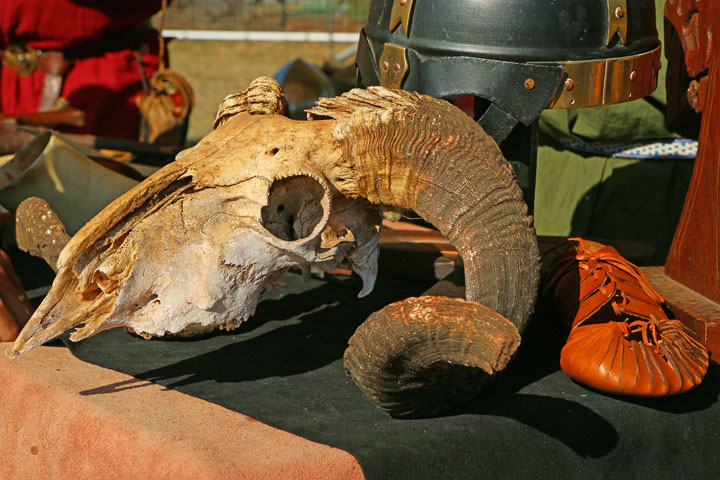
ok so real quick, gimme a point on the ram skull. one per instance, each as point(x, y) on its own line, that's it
point(198, 241)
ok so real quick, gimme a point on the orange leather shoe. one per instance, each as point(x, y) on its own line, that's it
point(621, 339)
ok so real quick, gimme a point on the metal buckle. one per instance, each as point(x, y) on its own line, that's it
point(21, 57)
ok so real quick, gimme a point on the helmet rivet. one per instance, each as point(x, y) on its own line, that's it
point(402, 2)
point(633, 75)
point(396, 67)
point(385, 65)
point(529, 83)
point(569, 84)
point(619, 12)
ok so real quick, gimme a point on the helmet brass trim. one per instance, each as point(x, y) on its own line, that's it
point(400, 15)
point(617, 19)
point(393, 66)
point(610, 81)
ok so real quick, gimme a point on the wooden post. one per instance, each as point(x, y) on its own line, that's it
point(690, 282)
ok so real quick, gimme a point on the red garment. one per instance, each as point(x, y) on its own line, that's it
point(104, 79)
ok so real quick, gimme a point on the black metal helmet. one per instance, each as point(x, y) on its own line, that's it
point(521, 55)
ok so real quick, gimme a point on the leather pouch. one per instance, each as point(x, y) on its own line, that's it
point(165, 109)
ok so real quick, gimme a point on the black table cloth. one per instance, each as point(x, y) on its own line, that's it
point(284, 367)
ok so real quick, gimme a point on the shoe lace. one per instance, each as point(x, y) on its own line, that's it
point(619, 262)
point(648, 329)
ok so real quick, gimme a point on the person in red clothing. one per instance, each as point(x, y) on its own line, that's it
point(84, 54)
point(79, 60)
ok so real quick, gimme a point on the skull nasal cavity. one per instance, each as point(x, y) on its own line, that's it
point(294, 207)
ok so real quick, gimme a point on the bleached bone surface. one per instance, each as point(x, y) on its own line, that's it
point(198, 242)
point(216, 255)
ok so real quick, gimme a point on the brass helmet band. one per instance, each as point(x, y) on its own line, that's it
point(605, 82)
point(588, 83)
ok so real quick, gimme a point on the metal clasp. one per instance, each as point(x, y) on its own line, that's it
point(393, 66)
point(617, 20)
point(20, 57)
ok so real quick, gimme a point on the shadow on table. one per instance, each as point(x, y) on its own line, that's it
point(319, 323)
point(290, 335)
point(284, 368)
point(586, 432)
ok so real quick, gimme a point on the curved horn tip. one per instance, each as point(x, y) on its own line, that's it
point(264, 96)
point(422, 356)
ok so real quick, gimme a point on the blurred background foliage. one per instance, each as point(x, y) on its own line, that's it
point(216, 69)
point(283, 15)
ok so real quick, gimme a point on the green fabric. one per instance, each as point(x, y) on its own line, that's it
point(614, 198)
point(628, 199)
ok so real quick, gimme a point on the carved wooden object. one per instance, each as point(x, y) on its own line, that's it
point(694, 258)
point(691, 23)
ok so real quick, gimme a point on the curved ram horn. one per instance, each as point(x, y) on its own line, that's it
point(424, 355)
point(408, 150)
point(412, 151)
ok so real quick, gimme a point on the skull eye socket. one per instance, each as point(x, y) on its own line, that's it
point(294, 207)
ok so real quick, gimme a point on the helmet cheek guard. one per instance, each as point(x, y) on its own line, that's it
point(521, 56)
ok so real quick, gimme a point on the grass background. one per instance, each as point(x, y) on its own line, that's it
point(218, 69)
point(290, 15)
